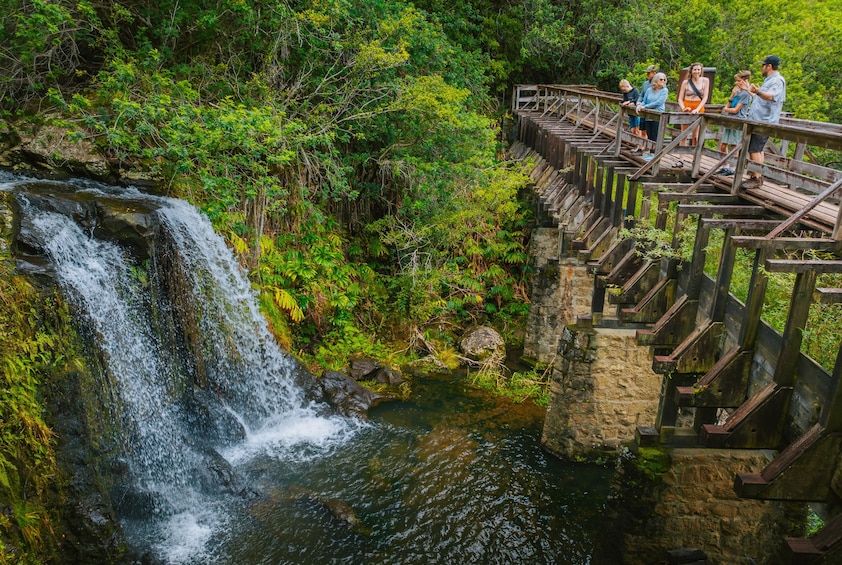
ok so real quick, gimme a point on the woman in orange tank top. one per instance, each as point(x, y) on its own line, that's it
point(693, 93)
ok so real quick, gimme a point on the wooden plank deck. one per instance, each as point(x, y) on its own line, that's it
point(779, 198)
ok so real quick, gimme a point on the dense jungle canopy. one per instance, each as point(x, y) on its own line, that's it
point(350, 151)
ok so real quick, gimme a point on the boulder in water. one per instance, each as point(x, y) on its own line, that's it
point(346, 396)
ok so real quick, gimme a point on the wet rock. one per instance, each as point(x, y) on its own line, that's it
point(482, 342)
point(346, 396)
point(307, 381)
point(139, 503)
point(338, 509)
point(217, 474)
point(341, 511)
point(95, 531)
point(686, 556)
point(363, 369)
point(129, 222)
point(389, 376)
point(213, 422)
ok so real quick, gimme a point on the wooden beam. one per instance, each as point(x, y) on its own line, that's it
point(724, 209)
point(754, 301)
point(789, 243)
point(799, 310)
point(684, 198)
point(742, 223)
point(828, 295)
point(724, 273)
point(798, 266)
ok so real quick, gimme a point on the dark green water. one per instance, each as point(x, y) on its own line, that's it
point(451, 476)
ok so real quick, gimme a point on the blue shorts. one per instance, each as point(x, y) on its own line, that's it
point(634, 121)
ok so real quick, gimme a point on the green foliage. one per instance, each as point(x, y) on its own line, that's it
point(36, 343)
point(338, 348)
point(269, 157)
point(468, 258)
point(814, 523)
point(654, 244)
point(518, 386)
point(653, 462)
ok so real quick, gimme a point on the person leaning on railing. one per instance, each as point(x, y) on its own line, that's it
point(631, 96)
point(737, 107)
point(766, 107)
point(655, 98)
point(651, 71)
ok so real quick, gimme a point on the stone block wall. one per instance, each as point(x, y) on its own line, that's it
point(561, 291)
point(690, 503)
point(602, 388)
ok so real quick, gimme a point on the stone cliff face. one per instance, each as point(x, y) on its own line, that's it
point(40, 149)
point(82, 519)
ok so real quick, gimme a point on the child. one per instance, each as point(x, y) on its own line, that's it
point(737, 107)
point(630, 97)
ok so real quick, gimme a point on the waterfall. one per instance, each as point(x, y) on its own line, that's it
point(184, 316)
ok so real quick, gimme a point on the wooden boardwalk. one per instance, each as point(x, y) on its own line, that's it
point(746, 386)
point(593, 118)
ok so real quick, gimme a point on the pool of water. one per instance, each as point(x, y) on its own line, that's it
point(450, 476)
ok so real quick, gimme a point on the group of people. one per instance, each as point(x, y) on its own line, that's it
point(761, 103)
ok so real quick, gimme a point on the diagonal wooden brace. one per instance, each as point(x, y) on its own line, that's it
point(724, 386)
point(696, 354)
point(757, 424)
point(798, 473)
point(636, 287)
point(652, 306)
point(673, 326)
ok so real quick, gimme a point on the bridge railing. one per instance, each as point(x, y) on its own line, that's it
point(790, 155)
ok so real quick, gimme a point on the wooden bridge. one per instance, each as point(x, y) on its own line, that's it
point(746, 385)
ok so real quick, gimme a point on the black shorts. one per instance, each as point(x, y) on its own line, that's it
point(757, 143)
point(651, 128)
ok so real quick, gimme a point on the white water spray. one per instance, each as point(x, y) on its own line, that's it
point(250, 379)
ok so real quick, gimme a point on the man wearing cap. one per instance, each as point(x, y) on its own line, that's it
point(651, 70)
point(768, 100)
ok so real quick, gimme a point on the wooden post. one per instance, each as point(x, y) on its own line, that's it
point(724, 273)
point(607, 202)
point(799, 309)
point(832, 415)
point(663, 121)
point(697, 264)
point(598, 186)
point(619, 136)
point(742, 160)
point(754, 300)
point(697, 154)
point(619, 210)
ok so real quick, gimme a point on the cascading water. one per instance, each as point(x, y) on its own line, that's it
point(177, 504)
point(212, 454)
